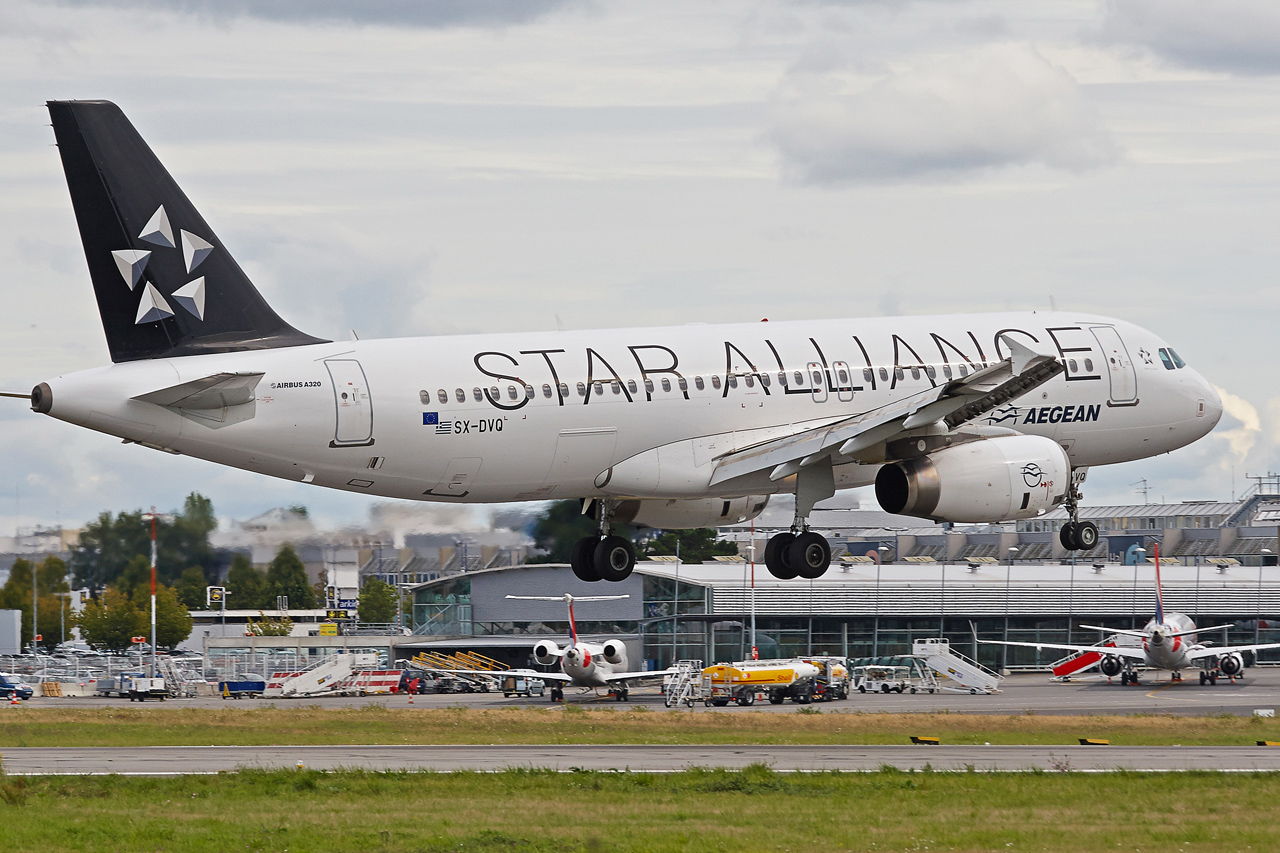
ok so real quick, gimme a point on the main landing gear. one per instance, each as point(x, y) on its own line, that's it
point(800, 552)
point(604, 557)
point(1077, 535)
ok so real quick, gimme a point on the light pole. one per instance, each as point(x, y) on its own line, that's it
point(1139, 555)
point(152, 516)
point(675, 610)
point(1257, 625)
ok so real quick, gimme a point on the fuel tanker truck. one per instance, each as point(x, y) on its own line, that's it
point(801, 681)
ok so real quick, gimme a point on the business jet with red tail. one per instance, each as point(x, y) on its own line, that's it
point(1167, 642)
point(966, 418)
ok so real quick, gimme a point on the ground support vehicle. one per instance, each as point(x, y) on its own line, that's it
point(744, 681)
point(833, 681)
point(241, 689)
point(522, 685)
point(885, 679)
point(140, 688)
point(10, 686)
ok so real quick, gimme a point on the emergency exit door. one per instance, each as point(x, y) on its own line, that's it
point(353, 403)
point(1124, 379)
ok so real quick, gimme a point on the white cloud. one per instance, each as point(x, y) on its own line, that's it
point(982, 109)
point(1239, 36)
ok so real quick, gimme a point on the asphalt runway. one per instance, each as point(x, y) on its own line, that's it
point(1021, 694)
point(174, 761)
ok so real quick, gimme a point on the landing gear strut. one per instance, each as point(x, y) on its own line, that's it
point(1077, 535)
point(603, 557)
point(800, 552)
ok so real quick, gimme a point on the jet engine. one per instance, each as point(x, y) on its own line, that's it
point(546, 652)
point(688, 514)
point(1111, 666)
point(614, 652)
point(1231, 664)
point(990, 480)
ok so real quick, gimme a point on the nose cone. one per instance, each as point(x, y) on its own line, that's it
point(1212, 404)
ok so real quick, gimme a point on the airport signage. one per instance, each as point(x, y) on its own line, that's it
point(337, 614)
point(215, 595)
point(349, 603)
point(328, 629)
point(138, 639)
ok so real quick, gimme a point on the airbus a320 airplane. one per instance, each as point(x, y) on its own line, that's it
point(967, 418)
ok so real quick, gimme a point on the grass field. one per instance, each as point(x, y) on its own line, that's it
point(373, 724)
point(751, 810)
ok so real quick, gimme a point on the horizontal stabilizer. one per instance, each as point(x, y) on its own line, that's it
point(219, 391)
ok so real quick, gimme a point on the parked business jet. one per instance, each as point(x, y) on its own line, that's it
point(582, 664)
point(1168, 642)
point(968, 418)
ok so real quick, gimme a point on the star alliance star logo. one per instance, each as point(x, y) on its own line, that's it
point(152, 306)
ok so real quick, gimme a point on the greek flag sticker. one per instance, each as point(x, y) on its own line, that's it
point(430, 418)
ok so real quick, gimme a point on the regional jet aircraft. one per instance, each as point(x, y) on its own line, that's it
point(1168, 642)
point(967, 418)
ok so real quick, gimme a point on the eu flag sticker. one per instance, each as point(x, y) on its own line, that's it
point(430, 418)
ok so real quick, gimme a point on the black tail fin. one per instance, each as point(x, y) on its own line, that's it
point(165, 285)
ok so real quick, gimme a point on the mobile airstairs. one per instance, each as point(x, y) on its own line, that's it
point(1077, 663)
point(965, 674)
point(325, 677)
point(683, 685)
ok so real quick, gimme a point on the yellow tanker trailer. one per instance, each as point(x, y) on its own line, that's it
point(741, 682)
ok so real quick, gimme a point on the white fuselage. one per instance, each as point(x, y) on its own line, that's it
point(587, 666)
point(543, 415)
point(1164, 651)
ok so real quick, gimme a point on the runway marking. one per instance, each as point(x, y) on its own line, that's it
point(1166, 686)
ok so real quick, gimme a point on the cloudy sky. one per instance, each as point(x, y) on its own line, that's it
point(417, 167)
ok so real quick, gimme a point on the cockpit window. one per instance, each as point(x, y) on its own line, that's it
point(1177, 359)
point(1164, 357)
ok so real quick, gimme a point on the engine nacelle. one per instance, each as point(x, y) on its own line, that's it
point(546, 652)
point(1111, 666)
point(1231, 664)
point(990, 480)
point(614, 652)
point(689, 514)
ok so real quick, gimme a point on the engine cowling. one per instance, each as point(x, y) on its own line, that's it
point(685, 514)
point(990, 480)
point(546, 652)
point(1111, 666)
point(1231, 664)
point(614, 651)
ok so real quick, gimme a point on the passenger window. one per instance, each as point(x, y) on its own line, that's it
point(666, 384)
point(884, 375)
point(715, 381)
point(764, 379)
point(494, 393)
point(443, 396)
point(648, 385)
point(582, 389)
point(546, 391)
point(930, 371)
point(867, 375)
point(946, 371)
point(1071, 365)
point(564, 389)
point(897, 373)
point(511, 391)
point(597, 387)
point(964, 371)
point(1088, 365)
point(1164, 357)
point(684, 384)
point(424, 397)
point(460, 395)
point(1177, 359)
point(799, 379)
point(733, 381)
point(631, 385)
point(697, 382)
point(915, 373)
point(817, 378)
point(478, 394)
point(750, 380)
point(843, 375)
point(782, 379)
point(617, 387)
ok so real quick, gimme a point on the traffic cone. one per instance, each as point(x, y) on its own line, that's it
point(13, 698)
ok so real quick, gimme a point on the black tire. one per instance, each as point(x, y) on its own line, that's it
point(777, 556)
point(1067, 536)
point(1202, 678)
point(884, 688)
point(776, 698)
point(862, 688)
point(1086, 536)
point(810, 555)
point(582, 559)
point(614, 558)
point(720, 703)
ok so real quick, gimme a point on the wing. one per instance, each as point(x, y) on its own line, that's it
point(628, 676)
point(501, 673)
point(861, 437)
point(1131, 652)
point(1212, 651)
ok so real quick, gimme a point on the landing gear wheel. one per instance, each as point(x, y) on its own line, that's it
point(1124, 679)
point(582, 560)
point(614, 558)
point(1203, 678)
point(1067, 536)
point(1086, 536)
point(1213, 678)
point(810, 555)
point(777, 556)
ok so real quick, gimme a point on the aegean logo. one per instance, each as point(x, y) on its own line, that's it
point(1032, 475)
